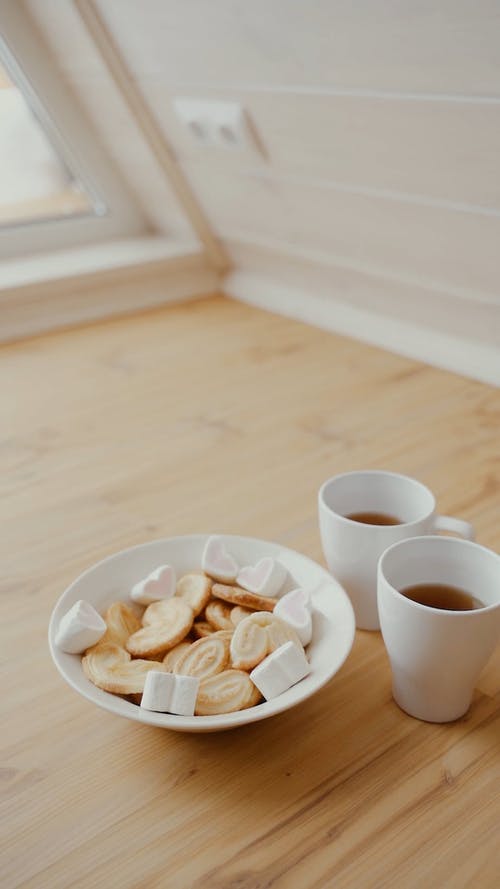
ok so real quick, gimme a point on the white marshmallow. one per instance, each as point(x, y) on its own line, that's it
point(217, 562)
point(170, 693)
point(295, 609)
point(280, 670)
point(81, 627)
point(158, 691)
point(265, 578)
point(184, 697)
point(160, 584)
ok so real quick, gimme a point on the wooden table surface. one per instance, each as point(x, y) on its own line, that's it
point(213, 416)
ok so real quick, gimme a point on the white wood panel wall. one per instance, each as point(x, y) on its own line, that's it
point(424, 149)
point(433, 46)
point(435, 244)
point(381, 126)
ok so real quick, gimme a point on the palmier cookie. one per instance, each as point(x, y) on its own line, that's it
point(155, 639)
point(279, 632)
point(204, 658)
point(195, 589)
point(111, 668)
point(238, 613)
point(174, 654)
point(224, 634)
point(202, 628)
point(227, 691)
point(257, 636)
point(121, 622)
point(218, 614)
point(238, 596)
point(158, 613)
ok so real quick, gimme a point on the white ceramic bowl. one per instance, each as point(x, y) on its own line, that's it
point(112, 579)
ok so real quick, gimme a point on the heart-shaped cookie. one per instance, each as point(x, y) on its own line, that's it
point(257, 636)
point(174, 654)
point(217, 562)
point(111, 668)
point(158, 636)
point(160, 584)
point(218, 614)
point(238, 613)
point(227, 691)
point(157, 612)
point(201, 629)
point(195, 590)
point(205, 658)
point(265, 578)
point(236, 595)
point(121, 622)
point(279, 632)
point(250, 643)
point(295, 609)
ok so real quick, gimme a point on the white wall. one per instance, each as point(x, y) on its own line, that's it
point(380, 188)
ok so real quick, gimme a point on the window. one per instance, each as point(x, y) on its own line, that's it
point(58, 189)
point(36, 183)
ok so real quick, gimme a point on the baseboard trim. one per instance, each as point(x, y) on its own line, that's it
point(328, 310)
point(81, 291)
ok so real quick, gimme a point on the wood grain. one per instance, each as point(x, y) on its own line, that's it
point(216, 416)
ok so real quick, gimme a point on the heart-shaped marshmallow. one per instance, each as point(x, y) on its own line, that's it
point(265, 578)
point(166, 693)
point(217, 562)
point(80, 628)
point(160, 584)
point(295, 609)
point(280, 670)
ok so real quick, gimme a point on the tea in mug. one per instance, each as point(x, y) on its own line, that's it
point(373, 518)
point(440, 595)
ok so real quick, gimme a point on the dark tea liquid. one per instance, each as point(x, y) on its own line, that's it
point(439, 595)
point(373, 518)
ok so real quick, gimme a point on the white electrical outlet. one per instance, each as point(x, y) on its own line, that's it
point(223, 125)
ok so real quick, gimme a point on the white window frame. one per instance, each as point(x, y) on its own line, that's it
point(117, 216)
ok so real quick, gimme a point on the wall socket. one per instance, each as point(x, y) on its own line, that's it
point(214, 124)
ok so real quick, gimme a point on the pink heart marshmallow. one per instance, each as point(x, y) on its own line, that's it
point(160, 584)
point(265, 578)
point(217, 562)
point(295, 609)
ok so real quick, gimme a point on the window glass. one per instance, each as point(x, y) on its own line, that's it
point(36, 183)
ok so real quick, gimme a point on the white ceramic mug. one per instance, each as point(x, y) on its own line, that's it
point(437, 655)
point(352, 549)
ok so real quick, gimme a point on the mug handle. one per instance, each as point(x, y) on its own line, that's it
point(456, 526)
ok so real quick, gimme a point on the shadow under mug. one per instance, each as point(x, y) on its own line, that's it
point(436, 654)
point(352, 549)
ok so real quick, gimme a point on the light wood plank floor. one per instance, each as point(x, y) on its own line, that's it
point(214, 416)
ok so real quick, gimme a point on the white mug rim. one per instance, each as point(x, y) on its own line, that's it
point(381, 528)
point(445, 612)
